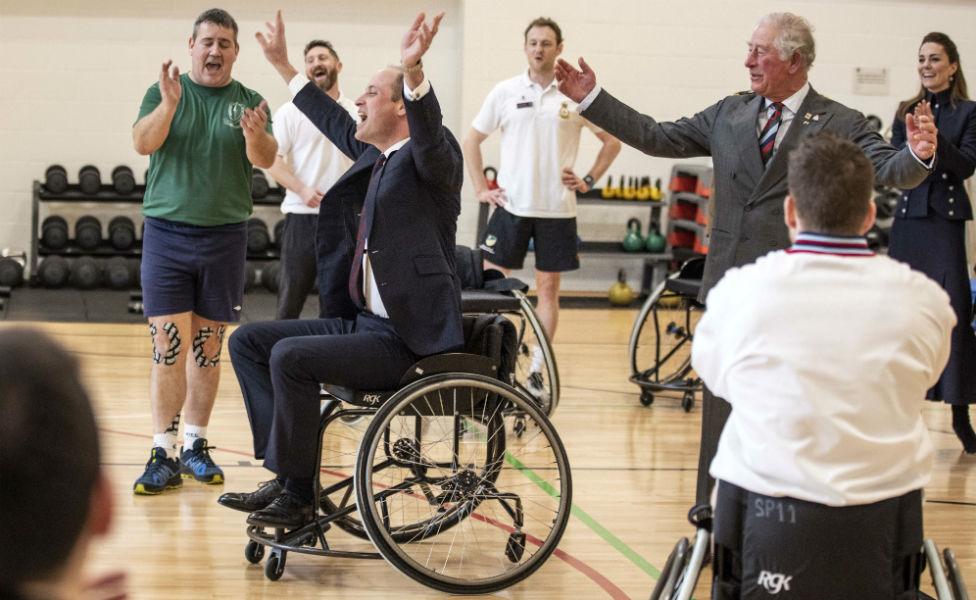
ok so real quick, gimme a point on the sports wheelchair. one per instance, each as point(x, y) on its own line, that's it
point(431, 475)
point(681, 571)
point(660, 340)
point(490, 292)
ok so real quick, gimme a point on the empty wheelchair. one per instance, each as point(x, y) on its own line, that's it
point(660, 341)
point(682, 569)
point(490, 292)
point(431, 477)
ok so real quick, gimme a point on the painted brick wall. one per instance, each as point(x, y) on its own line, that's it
point(74, 72)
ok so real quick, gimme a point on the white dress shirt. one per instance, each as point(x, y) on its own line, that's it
point(825, 352)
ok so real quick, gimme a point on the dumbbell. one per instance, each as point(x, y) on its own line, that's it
point(271, 276)
point(118, 273)
point(89, 179)
point(279, 232)
point(121, 232)
point(88, 232)
point(123, 180)
point(259, 184)
point(258, 238)
point(56, 179)
point(250, 276)
point(85, 273)
point(53, 272)
point(54, 232)
point(12, 270)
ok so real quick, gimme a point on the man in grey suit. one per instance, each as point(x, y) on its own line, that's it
point(749, 136)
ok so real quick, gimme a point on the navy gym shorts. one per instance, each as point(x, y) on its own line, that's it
point(191, 268)
point(507, 240)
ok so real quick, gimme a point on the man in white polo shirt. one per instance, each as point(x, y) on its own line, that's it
point(536, 199)
point(307, 165)
point(825, 351)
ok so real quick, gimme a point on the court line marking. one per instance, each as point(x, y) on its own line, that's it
point(595, 576)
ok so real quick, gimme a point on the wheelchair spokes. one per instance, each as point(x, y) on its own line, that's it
point(445, 473)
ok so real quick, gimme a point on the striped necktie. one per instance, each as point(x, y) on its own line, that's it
point(767, 138)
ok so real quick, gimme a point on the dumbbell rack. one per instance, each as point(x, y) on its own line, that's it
point(107, 195)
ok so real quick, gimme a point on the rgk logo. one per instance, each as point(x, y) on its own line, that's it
point(774, 582)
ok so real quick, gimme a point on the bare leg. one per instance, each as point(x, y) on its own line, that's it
point(547, 290)
point(203, 369)
point(167, 380)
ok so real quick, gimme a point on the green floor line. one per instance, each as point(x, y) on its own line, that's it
point(587, 520)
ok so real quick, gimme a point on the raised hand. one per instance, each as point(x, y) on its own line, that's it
point(255, 120)
point(417, 39)
point(575, 84)
point(274, 47)
point(921, 131)
point(169, 83)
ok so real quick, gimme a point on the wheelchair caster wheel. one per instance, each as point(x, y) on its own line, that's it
point(515, 546)
point(275, 567)
point(253, 552)
point(688, 401)
point(646, 398)
point(519, 427)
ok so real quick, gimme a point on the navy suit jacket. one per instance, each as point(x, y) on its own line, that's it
point(943, 191)
point(411, 242)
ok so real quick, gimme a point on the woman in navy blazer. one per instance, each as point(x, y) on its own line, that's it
point(929, 227)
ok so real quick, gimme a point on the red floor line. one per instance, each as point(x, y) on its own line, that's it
point(595, 576)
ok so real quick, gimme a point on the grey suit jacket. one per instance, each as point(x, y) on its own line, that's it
point(748, 199)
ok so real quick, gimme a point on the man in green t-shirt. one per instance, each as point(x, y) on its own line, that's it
point(204, 132)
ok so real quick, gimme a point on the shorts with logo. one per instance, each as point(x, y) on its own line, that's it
point(507, 239)
point(778, 547)
point(193, 268)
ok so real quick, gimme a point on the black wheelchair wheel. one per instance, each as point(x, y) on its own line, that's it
point(536, 373)
point(253, 552)
point(482, 485)
point(660, 344)
point(275, 567)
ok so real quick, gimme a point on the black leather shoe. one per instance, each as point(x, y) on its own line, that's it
point(251, 501)
point(287, 511)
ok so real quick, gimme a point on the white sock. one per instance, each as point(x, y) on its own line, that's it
point(191, 433)
point(537, 360)
point(167, 441)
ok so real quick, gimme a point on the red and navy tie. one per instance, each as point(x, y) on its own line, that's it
point(365, 223)
point(767, 138)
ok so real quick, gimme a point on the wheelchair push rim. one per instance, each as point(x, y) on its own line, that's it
point(511, 511)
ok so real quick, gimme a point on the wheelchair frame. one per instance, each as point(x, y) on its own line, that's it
point(504, 303)
point(463, 490)
point(681, 571)
point(679, 288)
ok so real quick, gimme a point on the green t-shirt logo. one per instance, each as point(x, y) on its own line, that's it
point(235, 112)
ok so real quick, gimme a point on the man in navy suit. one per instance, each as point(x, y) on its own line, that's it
point(385, 240)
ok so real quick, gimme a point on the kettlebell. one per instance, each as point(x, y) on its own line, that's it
point(633, 242)
point(655, 242)
point(620, 293)
point(656, 193)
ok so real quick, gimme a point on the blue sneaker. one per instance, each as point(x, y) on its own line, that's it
point(196, 463)
point(161, 474)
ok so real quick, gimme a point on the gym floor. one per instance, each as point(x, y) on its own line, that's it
point(633, 482)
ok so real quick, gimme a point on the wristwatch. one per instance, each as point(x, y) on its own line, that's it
point(588, 180)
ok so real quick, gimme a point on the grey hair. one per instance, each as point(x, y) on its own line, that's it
point(793, 34)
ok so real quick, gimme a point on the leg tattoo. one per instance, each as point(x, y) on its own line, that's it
point(174, 426)
point(200, 353)
point(173, 334)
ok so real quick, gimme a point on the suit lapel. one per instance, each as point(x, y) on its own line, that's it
point(809, 119)
point(747, 137)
